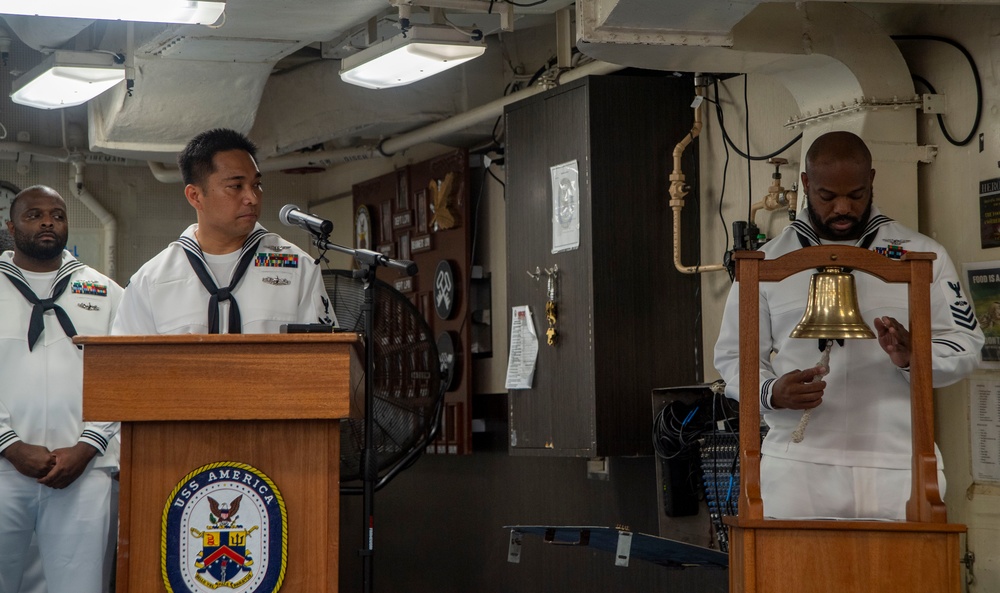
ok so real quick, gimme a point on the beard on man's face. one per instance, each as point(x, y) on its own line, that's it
point(826, 230)
point(38, 250)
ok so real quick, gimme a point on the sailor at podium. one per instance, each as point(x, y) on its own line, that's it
point(226, 273)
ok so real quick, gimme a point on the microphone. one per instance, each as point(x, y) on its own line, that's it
point(290, 215)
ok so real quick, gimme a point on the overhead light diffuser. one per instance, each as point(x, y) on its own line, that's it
point(423, 51)
point(148, 11)
point(67, 78)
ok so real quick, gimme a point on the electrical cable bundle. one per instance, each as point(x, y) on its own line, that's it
point(698, 448)
point(678, 427)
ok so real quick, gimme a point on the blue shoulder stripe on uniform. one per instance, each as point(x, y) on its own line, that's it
point(11, 270)
point(7, 437)
point(189, 244)
point(875, 222)
point(953, 345)
point(67, 269)
point(253, 239)
point(765, 389)
point(805, 230)
point(871, 231)
point(96, 437)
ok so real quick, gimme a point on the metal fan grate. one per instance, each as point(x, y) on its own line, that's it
point(407, 376)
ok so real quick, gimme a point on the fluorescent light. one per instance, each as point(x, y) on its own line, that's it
point(424, 51)
point(67, 78)
point(150, 11)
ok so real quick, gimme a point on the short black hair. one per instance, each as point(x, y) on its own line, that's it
point(838, 146)
point(30, 190)
point(195, 161)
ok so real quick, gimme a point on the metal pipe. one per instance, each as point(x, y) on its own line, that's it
point(107, 220)
point(486, 112)
point(678, 189)
point(52, 152)
point(165, 174)
point(429, 133)
point(62, 155)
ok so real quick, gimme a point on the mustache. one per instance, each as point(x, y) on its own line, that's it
point(844, 218)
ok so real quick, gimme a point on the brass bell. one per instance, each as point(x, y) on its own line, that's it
point(832, 311)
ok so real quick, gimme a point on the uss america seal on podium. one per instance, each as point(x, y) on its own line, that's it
point(224, 527)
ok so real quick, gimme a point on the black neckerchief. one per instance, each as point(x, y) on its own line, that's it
point(39, 306)
point(197, 259)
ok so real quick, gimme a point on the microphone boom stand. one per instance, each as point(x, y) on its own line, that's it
point(369, 262)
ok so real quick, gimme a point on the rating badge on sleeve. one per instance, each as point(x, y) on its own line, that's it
point(224, 527)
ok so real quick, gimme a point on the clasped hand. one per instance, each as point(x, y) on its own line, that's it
point(56, 469)
point(796, 390)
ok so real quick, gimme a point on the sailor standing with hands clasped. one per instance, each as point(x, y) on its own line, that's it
point(55, 469)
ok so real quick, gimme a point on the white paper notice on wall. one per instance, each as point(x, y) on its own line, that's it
point(523, 349)
point(565, 206)
point(984, 429)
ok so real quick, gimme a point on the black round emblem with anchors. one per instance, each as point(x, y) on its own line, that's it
point(444, 289)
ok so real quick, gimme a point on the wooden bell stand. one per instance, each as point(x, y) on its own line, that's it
point(918, 555)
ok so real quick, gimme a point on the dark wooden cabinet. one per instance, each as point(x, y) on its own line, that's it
point(627, 320)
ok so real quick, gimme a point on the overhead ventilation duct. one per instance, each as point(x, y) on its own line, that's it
point(185, 84)
point(438, 131)
point(289, 119)
point(145, 126)
point(803, 43)
point(827, 55)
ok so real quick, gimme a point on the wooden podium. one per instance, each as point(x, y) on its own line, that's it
point(272, 402)
point(919, 555)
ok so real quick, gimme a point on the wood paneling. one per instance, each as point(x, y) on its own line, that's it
point(403, 207)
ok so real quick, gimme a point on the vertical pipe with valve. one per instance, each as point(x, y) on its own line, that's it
point(777, 196)
point(679, 189)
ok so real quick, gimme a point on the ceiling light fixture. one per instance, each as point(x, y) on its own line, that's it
point(148, 11)
point(67, 78)
point(417, 53)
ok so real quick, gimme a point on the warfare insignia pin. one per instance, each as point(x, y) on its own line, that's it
point(277, 247)
point(224, 526)
point(88, 306)
point(275, 280)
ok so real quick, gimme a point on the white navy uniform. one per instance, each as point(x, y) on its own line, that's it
point(41, 404)
point(281, 285)
point(863, 422)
